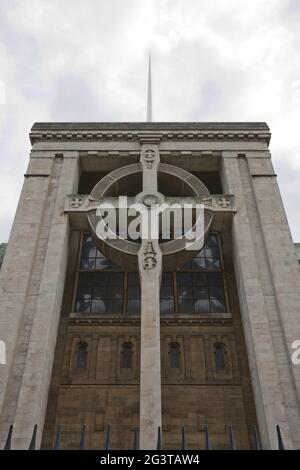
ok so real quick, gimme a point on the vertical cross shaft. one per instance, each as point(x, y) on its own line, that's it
point(150, 266)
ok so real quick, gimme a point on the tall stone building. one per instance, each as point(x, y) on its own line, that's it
point(85, 346)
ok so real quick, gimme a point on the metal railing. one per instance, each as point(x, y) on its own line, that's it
point(135, 446)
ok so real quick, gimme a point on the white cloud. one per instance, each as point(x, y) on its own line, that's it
point(216, 60)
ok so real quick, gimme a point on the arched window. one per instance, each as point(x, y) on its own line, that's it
point(82, 355)
point(174, 352)
point(127, 355)
point(220, 356)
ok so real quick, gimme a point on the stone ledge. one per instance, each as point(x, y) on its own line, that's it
point(178, 319)
point(186, 131)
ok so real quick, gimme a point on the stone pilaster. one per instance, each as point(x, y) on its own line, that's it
point(31, 401)
point(281, 281)
point(256, 295)
point(17, 271)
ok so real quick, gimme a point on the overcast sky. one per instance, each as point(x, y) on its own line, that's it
point(216, 60)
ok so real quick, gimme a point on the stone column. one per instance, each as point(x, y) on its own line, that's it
point(31, 401)
point(256, 294)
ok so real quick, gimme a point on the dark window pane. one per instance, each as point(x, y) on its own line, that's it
point(134, 292)
point(99, 305)
point(102, 263)
point(84, 292)
point(116, 278)
point(185, 292)
point(101, 279)
point(87, 240)
point(212, 240)
point(202, 306)
point(185, 305)
point(201, 292)
point(198, 263)
point(83, 305)
point(85, 279)
point(217, 301)
point(166, 305)
point(215, 279)
point(184, 279)
point(89, 251)
point(134, 306)
point(217, 306)
point(100, 292)
point(166, 291)
point(216, 293)
point(211, 252)
point(167, 279)
point(212, 263)
point(114, 306)
point(133, 280)
point(87, 263)
point(199, 279)
point(115, 292)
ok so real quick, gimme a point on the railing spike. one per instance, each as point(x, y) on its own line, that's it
point(32, 445)
point(183, 438)
point(82, 438)
point(57, 443)
point(232, 445)
point(207, 439)
point(8, 439)
point(159, 439)
point(136, 439)
point(256, 439)
point(279, 439)
point(107, 445)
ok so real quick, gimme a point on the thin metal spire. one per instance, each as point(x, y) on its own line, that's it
point(149, 94)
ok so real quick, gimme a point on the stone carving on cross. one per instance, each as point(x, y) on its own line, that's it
point(149, 254)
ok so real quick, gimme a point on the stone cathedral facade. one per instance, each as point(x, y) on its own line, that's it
point(218, 350)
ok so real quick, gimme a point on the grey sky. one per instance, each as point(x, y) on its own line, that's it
point(74, 60)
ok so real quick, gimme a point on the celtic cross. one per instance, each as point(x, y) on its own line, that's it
point(150, 256)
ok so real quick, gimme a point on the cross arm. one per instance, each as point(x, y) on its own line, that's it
point(214, 202)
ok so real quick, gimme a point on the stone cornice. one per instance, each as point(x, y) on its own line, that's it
point(151, 132)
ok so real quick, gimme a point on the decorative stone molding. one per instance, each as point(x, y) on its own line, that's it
point(80, 203)
point(150, 132)
point(148, 156)
point(220, 201)
point(150, 261)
